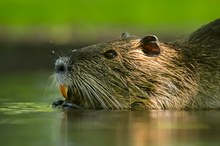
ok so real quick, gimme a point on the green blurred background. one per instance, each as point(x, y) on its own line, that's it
point(31, 29)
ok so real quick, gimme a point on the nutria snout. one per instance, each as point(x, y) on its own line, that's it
point(144, 73)
point(61, 65)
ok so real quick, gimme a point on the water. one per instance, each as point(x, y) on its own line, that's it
point(27, 119)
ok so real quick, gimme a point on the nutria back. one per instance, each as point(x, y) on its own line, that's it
point(144, 73)
point(203, 52)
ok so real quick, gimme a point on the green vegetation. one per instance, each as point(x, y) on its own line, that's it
point(89, 13)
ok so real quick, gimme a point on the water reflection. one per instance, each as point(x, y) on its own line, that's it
point(29, 123)
point(139, 128)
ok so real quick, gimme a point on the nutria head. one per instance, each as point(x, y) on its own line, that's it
point(143, 73)
point(113, 75)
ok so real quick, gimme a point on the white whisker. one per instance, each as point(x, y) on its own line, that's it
point(101, 94)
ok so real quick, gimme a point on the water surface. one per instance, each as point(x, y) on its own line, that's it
point(27, 119)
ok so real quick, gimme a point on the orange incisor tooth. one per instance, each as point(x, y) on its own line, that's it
point(64, 90)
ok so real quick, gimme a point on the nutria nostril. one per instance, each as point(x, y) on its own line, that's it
point(61, 65)
point(59, 68)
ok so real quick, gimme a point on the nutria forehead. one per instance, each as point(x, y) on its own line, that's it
point(119, 45)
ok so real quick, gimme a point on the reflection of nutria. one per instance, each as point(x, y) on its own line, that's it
point(133, 73)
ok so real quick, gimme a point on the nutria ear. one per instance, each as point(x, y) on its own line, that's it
point(125, 35)
point(150, 46)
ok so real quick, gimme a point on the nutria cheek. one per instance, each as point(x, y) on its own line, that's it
point(64, 90)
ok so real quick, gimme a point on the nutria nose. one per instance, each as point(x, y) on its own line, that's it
point(61, 65)
point(60, 68)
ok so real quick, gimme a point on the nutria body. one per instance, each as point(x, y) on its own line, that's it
point(134, 73)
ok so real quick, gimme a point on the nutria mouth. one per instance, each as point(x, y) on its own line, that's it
point(144, 73)
point(70, 92)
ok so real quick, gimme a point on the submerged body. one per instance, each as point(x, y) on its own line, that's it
point(134, 73)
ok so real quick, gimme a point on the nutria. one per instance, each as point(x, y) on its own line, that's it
point(134, 73)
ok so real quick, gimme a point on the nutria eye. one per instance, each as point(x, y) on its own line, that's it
point(110, 54)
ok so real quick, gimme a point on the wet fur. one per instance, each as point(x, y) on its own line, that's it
point(184, 76)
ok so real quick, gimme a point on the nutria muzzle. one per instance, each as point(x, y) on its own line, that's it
point(67, 89)
point(62, 69)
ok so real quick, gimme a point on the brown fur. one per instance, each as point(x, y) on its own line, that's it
point(185, 75)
